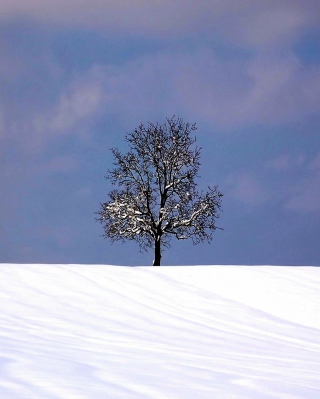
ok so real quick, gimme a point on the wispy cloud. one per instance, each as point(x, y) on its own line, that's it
point(269, 24)
point(262, 90)
point(78, 102)
point(248, 21)
point(71, 112)
point(270, 86)
point(228, 94)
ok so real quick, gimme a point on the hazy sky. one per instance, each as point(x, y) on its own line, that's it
point(77, 75)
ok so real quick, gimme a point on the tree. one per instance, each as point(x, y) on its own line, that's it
point(157, 196)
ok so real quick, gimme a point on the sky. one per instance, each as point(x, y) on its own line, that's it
point(83, 331)
point(77, 76)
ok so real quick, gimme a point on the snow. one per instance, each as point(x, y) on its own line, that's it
point(94, 331)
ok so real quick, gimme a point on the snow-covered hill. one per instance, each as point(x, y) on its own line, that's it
point(100, 332)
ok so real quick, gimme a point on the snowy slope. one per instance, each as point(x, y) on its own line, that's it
point(98, 332)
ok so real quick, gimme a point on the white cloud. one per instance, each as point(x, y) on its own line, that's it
point(265, 89)
point(271, 87)
point(246, 21)
point(229, 94)
point(270, 23)
point(283, 90)
point(73, 112)
point(76, 106)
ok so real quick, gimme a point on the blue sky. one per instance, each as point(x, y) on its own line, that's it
point(77, 76)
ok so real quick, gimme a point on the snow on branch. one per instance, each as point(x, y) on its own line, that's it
point(157, 197)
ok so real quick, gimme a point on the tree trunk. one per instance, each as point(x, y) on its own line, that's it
point(157, 252)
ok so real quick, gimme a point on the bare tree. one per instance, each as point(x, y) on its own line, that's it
point(157, 198)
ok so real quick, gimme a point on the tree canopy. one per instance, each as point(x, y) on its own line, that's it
point(157, 197)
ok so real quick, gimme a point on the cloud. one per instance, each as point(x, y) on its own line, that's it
point(76, 103)
point(73, 112)
point(129, 16)
point(270, 86)
point(284, 90)
point(248, 22)
point(227, 93)
point(271, 23)
point(264, 89)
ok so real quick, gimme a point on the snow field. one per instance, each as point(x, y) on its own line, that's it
point(198, 332)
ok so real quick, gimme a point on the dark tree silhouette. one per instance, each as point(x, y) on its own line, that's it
point(157, 196)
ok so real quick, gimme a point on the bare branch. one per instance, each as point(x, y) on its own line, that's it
point(159, 197)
